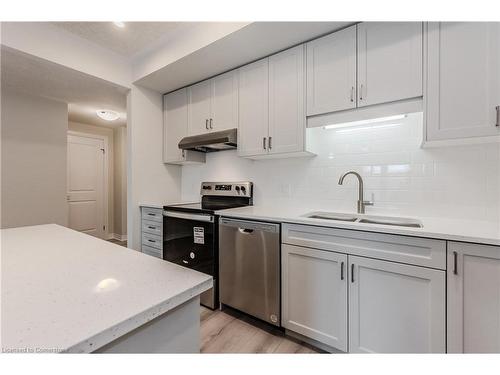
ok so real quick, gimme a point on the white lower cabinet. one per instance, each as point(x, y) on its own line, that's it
point(473, 298)
point(358, 304)
point(314, 285)
point(395, 308)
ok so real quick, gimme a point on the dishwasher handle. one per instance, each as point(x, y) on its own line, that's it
point(247, 227)
point(245, 230)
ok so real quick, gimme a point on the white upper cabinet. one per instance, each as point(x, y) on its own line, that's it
point(175, 127)
point(253, 108)
point(389, 61)
point(395, 308)
point(199, 107)
point(287, 118)
point(224, 102)
point(473, 298)
point(331, 72)
point(463, 80)
point(213, 104)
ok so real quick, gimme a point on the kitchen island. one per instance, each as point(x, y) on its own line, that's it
point(65, 291)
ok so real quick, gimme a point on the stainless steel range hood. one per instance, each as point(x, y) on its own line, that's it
point(210, 142)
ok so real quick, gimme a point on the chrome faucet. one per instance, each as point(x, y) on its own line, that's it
point(361, 202)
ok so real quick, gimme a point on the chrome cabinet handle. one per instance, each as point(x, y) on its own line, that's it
point(183, 153)
point(206, 124)
point(269, 142)
point(352, 273)
point(245, 230)
point(361, 92)
point(352, 94)
point(150, 227)
point(342, 271)
point(498, 115)
point(211, 123)
point(455, 261)
point(264, 142)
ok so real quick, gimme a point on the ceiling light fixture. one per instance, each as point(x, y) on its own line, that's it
point(364, 122)
point(121, 25)
point(107, 115)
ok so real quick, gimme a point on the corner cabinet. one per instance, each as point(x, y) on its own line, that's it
point(275, 128)
point(473, 298)
point(463, 81)
point(213, 104)
point(175, 127)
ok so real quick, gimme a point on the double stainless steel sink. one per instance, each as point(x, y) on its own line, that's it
point(366, 219)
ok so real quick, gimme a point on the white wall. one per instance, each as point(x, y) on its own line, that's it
point(33, 143)
point(120, 181)
point(148, 179)
point(454, 182)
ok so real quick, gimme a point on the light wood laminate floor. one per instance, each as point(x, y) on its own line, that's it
point(230, 331)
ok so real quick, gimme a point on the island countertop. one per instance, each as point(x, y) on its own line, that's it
point(65, 291)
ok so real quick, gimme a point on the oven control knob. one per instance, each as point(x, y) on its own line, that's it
point(243, 189)
point(191, 255)
point(207, 187)
point(237, 188)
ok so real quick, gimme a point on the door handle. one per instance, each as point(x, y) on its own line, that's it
point(206, 124)
point(185, 261)
point(264, 143)
point(498, 115)
point(150, 227)
point(455, 261)
point(211, 120)
point(352, 273)
point(342, 271)
point(269, 143)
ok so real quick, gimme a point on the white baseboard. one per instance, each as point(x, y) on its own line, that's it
point(118, 237)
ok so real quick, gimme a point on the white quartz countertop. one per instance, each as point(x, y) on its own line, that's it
point(454, 230)
point(67, 291)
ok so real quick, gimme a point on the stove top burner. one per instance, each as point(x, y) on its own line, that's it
point(218, 196)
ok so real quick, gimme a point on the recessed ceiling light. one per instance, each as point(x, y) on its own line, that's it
point(107, 115)
point(121, 25)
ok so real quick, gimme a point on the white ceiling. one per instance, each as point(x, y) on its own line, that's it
point(129, 40)
point(84, 93)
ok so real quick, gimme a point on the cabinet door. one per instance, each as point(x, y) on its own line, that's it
point(389, 61)
point(331, 72)
point(314, 294)
point(224, 103)
point(473, 298)
point(175, 124)
point(395, 308)
point(253, 105)
point(287, 119)
point(199, 107)
point(463, 80)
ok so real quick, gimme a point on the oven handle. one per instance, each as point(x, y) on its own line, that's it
point(195, 217)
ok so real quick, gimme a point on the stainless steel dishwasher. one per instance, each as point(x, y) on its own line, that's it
point(249, 267)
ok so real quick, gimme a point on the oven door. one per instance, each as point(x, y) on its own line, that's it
point(189, 240)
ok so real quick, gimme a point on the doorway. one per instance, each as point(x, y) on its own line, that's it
point(87, 183)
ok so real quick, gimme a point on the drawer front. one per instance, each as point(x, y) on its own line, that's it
point(152, 227)
point(412, 250)
point(152, 251)
point(152, 240)
point(153, 214)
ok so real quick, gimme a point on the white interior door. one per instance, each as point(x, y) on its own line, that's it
point(86, 185)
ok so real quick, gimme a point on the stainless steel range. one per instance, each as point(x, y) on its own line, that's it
point(191, 234)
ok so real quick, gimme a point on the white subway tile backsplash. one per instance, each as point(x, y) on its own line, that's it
point(451, 182)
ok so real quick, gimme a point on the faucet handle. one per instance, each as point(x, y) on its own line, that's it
point(370, 202)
